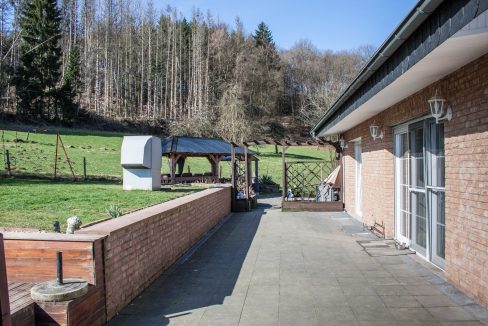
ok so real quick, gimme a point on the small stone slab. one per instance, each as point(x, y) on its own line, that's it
point(52, 291)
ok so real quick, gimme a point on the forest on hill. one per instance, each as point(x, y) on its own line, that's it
point(123, 60)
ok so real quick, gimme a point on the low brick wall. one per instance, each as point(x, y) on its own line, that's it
point(141, 245)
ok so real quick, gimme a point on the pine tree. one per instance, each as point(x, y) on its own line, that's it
point(71, 83)
point(264, 40)
point(263, 36)
point(38, 73)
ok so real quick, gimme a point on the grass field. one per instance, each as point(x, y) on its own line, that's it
point(34, 153)
point(37, 203)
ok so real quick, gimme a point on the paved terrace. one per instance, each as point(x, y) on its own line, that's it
point(272, 268)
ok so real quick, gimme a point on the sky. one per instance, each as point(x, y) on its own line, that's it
point(329, 24)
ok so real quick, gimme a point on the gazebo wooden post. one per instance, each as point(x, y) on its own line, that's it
point(233, 168)
point(247, 172)
point(173, 160)
point(246, 160)
point(256, 174)
point(180, 163)
point(217, 168)
point(172, 167)
point(215, 162)
point(283, 173)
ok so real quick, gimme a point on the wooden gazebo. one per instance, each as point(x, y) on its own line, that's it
point(178, 148)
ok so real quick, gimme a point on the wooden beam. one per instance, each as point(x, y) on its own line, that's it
point(172, 163)
point(246, 171)
point(217, 168)
point(233, 168)
point(283, 173)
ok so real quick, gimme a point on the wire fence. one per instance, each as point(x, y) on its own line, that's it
point(47, 154)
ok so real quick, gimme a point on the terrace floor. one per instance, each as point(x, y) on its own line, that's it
point(266, 267)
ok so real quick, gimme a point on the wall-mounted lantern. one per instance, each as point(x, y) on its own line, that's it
point(436, 104)
point(375, 131)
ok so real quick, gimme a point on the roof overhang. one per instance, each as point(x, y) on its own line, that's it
point(448, 34)
point(465, 46)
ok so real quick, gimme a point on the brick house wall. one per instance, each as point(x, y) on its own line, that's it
point(141, 245)
point(466, 149)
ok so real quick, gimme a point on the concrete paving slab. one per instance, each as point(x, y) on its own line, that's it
point(451, 314)
point(271, 268)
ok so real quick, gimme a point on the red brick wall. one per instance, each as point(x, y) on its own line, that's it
point(376, 178)
point(466, 144)
point(141, 245)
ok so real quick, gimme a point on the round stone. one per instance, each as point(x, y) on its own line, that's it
point(53, 291)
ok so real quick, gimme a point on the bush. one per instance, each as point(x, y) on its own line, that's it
point(266, 180)
point(113, 211)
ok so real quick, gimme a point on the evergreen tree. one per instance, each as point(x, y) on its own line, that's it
point(71, 83)
point(266, 78)
point(38, 74)
point(263, 36)
point(264, 40)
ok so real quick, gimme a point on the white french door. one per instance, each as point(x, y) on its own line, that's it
point(359, 163)
point(420, 188)
point(436, 190)
point(402, 206)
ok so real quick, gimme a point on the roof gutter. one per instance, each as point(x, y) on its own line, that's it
point(411, 22)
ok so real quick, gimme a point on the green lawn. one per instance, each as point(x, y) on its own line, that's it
point(36, 154)
point(37, 203)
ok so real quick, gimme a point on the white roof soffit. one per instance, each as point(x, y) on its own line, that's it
point(468, 44)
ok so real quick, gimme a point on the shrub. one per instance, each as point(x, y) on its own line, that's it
point(266, 180)
point(113, 211)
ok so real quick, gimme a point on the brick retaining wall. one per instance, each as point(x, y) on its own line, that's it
point(141, 245)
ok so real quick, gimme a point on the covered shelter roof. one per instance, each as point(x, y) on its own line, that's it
point(196, 146)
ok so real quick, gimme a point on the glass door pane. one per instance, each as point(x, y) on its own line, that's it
point(418, 203)
point(402, 209)
point(436, 190)
point(359, 162)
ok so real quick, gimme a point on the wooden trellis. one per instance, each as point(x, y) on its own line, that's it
point(303, 178)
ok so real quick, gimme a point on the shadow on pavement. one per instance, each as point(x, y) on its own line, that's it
point(206, 278)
